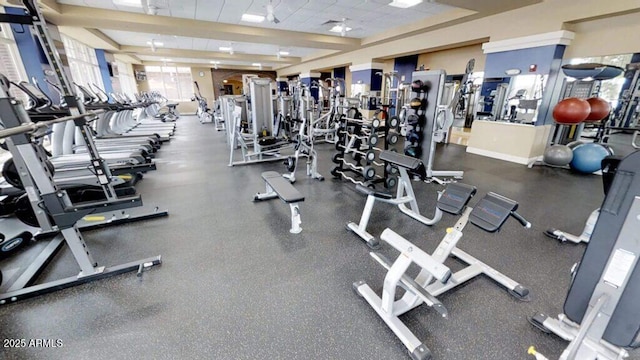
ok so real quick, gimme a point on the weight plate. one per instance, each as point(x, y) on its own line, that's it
point(370, 155)
point(394, 121)
point(369, 172)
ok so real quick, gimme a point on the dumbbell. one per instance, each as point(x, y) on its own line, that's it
point(418, 86)
point(413, 151)
point(413, 136)
point(392, 138)
point(413, 120)
point(369, 155)
point(394, 121)
point(390, 182)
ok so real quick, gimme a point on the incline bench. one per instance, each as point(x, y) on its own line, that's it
point(277, 186)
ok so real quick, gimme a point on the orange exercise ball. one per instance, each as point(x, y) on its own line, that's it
point(571, 111)
point(600, 109)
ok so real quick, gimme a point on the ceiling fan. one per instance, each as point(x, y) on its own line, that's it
point(340, 26)
point(270, 15)
point(152, 7)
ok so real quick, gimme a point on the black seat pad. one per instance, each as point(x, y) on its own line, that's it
point(282, 187)
point(400, 160)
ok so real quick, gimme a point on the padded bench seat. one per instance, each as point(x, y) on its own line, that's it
point(401, 160)
point(278, 186)
point(286, 192)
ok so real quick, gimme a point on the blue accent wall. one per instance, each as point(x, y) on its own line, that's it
point(104, 71)
point(542, 56)
point(368, 77)
point(405, 66)
point(31, 53)
point(548, 60)
point(313, 91)
point(488, 85)
point(283, 87)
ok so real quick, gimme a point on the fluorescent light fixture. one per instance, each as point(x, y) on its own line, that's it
point(166, 60)
point(155, 43)
point(252, 18)
point(339, 28)
point(403, 4)
point(214, 62)
point(130, 3)
point(224, 48)
point(284, 53)
point(256, 64)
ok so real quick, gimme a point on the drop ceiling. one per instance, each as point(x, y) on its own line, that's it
point(365, 17)
point(196, 29)
point(302, 18)
point(189, 43)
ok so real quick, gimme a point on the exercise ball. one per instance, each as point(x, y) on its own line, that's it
point(587, 158)
point(600, 109)
point(571, 111)
point(558, 155)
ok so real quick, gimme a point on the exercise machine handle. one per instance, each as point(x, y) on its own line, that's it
point(521, 219)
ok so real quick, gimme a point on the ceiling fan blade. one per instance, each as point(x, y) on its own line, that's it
point(331, 22)
point(275, 20)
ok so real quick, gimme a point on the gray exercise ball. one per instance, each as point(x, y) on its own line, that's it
point(558, 155)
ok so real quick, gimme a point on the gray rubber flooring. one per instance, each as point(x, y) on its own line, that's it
point(235, 284)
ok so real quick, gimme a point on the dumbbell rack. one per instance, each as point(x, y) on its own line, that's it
point(365, 140)
point(416, 119)
point(427, 122)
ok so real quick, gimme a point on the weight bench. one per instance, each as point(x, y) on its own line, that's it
point(436, 278)
point(403, 196)
point(277, 186)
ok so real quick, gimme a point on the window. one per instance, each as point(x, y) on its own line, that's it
point(82, 62)
point(11, 67)
point(126, 79)
point(609, 89)
point(173, 82)
point(10, 62)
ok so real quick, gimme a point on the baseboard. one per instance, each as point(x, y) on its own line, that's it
point(501, 156)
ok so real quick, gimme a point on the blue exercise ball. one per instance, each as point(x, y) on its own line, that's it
point(557, 155)
point(588, 157)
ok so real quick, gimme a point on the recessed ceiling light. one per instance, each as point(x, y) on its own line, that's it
point(256, 64)
point(156, 43)
point(404, 3)
point(224, 48)
point(285, 53)
point(340, 28)
point(130, 3)
point(252, 18)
